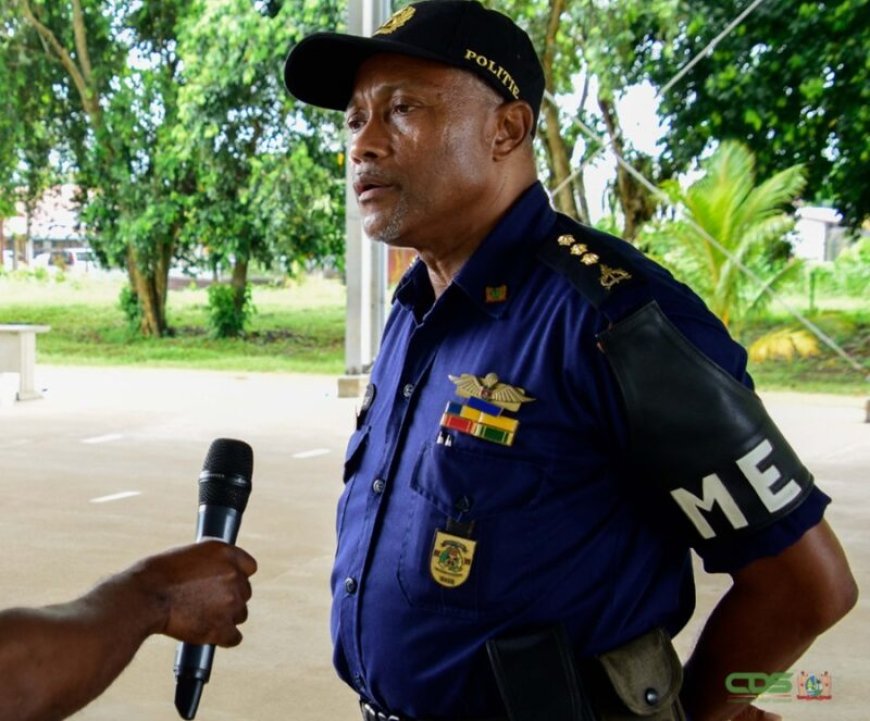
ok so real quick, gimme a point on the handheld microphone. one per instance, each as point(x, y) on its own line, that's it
point(224, 487)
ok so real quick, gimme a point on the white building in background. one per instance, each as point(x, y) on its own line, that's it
point(52, 224)
point(818, 235)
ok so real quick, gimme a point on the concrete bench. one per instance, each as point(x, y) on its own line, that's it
point(18, 355)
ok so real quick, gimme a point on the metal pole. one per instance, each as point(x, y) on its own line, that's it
point(365, 261)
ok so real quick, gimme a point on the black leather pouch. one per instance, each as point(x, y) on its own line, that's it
point(537, 677)
point(539, 680)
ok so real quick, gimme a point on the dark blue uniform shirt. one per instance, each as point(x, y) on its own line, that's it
point(448, 536)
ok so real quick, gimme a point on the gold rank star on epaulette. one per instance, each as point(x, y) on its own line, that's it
point(608, 276)
point(593, 262)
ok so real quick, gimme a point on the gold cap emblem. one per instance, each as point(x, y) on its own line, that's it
point(398, 19)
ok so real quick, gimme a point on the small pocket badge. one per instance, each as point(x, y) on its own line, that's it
point(450, 563)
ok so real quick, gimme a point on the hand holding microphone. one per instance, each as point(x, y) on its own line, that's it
point(67, 654)
point(206, 590)
point(224, 487)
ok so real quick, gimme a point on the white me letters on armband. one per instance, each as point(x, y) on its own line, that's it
point(714, 491)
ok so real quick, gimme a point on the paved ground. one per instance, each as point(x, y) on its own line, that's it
point(103, 470)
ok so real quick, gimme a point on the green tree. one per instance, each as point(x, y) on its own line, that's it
point(791, 80)
point(587, 49)
point(731, 223)
point(113, 74)
point(248, 161)
point(174, 121)
point(32, 148)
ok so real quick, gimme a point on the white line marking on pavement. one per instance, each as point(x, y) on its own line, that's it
point(116, 496)
point(312, 453)
point(108, 438)
point(15, 442)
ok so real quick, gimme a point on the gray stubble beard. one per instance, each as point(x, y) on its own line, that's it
point(390, 233)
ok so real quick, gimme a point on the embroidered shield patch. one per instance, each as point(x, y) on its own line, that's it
point(450, 562)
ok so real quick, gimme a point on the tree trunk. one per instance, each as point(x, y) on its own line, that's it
point(239, 282)
point(28, 232)
point(151, 289)
point(579, 183)
point(634, 199)
point(558, 155)
point(560, 164)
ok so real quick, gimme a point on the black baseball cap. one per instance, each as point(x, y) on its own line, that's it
point(321, 68)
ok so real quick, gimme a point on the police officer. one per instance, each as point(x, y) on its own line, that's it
point(552, 423)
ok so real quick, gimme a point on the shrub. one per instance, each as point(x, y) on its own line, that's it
point(128, 301)
point(227, 317)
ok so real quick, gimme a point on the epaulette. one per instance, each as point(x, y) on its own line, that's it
point(596, 264)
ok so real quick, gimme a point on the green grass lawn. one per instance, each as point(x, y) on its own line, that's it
point(829, 371)
point(300, 328)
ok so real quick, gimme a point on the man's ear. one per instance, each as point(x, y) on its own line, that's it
point(515, 123)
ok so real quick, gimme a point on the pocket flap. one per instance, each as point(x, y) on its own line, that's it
point(354, 453)
point(646, 672)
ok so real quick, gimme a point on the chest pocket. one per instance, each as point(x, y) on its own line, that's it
point(501, 496)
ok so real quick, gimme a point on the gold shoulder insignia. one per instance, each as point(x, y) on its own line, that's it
point(398, 19)
point(490, 388)
point(611, 276)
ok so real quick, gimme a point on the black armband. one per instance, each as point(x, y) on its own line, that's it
point(694, 429)
point(700, 432)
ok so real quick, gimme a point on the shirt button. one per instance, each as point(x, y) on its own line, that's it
point(462, 504)
point(379, 485)
point(408, 390)
point(350, 585)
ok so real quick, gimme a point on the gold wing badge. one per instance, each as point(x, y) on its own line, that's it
point(482, 414)
point(490, 388)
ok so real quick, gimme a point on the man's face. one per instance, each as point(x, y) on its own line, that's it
point(421, 139)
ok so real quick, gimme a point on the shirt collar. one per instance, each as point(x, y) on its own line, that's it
point(495, 271)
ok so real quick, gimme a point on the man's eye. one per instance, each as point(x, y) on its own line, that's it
point(354, 123)
point(402, 108)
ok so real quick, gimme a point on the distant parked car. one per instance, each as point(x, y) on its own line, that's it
point(69, 260)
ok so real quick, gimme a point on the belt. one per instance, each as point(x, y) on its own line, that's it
point(370, 713)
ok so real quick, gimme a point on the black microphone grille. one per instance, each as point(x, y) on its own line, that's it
point(230, 457)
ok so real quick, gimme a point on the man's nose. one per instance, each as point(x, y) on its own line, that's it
point(369, 141)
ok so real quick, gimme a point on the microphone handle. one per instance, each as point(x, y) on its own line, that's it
point(193, 662)
point(219, 522)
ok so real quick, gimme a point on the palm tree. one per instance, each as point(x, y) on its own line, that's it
point(730, 244)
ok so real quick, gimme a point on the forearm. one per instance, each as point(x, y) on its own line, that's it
point(771, 615)
point(742, 636)
point(54, 660)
